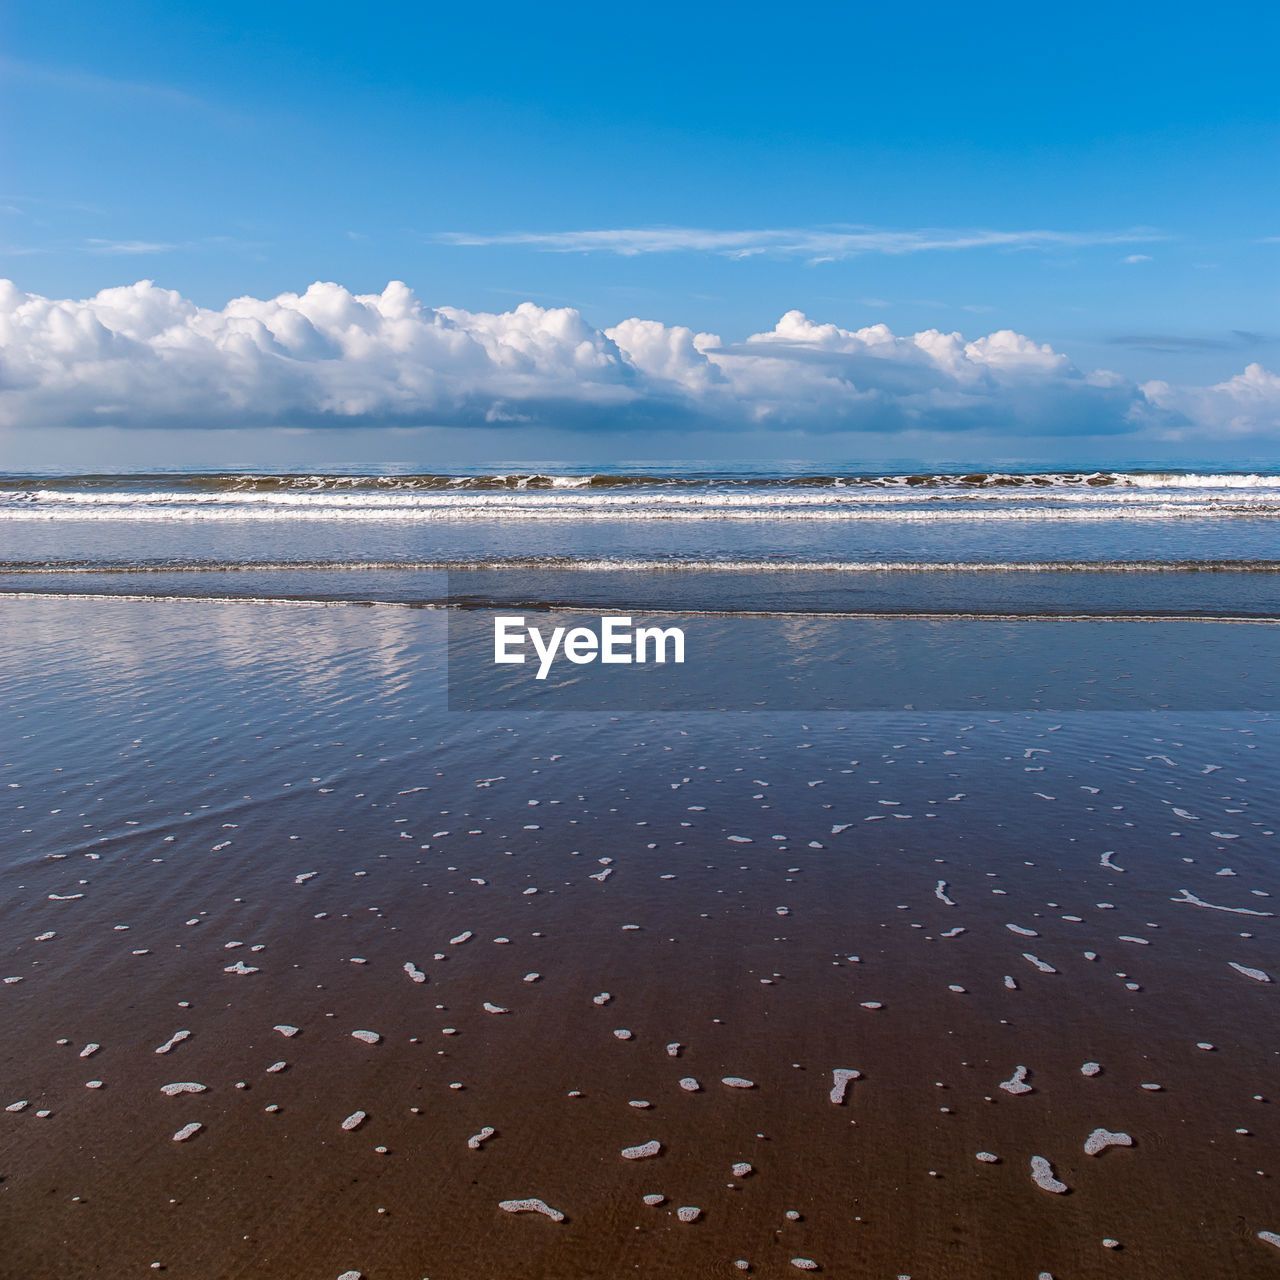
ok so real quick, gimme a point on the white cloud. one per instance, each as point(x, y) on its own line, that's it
point(129, 247)
point(142, 356)
point(1247, 405)
point(1137, 257)
point(818, 244)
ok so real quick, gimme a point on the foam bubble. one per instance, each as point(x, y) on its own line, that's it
point(1042, 1176)
point(1017, 1083)
point(642, 1152)
point(1100, 1139)
point(841, 1076)
point(532, 1205)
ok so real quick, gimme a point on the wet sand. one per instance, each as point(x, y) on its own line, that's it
point(238, 821)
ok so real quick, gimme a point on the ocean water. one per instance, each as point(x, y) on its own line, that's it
point(741, 559)
point(1114, 543)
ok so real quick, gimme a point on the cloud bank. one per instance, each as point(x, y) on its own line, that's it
point(142, 356)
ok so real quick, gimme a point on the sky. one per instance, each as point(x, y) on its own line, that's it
point(1089, 197)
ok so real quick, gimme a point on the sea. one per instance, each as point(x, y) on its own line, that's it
point(752, 539)
point(754, 556)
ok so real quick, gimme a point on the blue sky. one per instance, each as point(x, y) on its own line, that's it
point(1100, 178)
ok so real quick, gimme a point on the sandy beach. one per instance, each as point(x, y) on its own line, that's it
point(639, 643)
point(306, 976)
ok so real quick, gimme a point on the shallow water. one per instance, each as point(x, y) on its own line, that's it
point(182, 777)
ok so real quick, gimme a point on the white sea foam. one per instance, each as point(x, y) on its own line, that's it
point(1185, 895)
point(1018, 1082)
point(919, 498)
point(1100, 1139)
point(1042, 1176)
point(841, 1078)
point(1258, 975)
point(531, 1205)
point(642, 1152)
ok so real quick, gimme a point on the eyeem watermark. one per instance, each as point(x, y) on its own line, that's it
point(615, 642)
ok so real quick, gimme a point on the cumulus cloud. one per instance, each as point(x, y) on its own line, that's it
point(142, 356)
point(1247, 405)
point(820, 244)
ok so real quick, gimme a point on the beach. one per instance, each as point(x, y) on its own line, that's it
point(639, 644)
point(307, 973)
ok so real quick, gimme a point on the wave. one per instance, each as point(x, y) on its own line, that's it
point(635, 497)
point(185, 512)
point(544, 606)
point(638, 565)
point(243, 483)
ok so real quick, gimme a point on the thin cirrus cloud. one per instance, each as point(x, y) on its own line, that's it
point(1239, 340)
point(815, 243)
point(142, 356)
point(129, 248)
point(74, 80)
